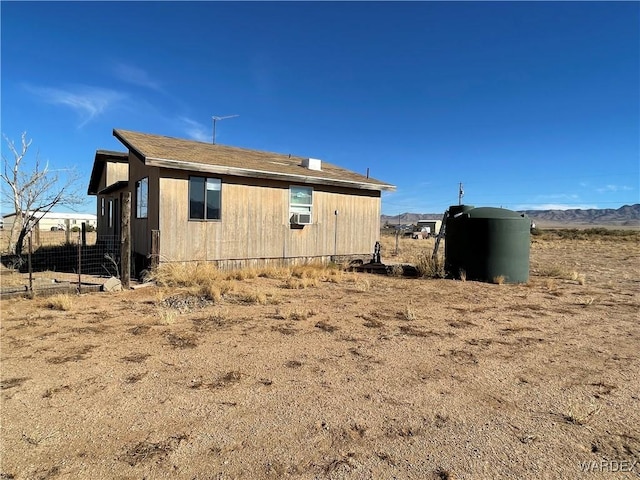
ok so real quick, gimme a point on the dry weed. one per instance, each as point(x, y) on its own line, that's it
point(499, 280)
point(295, 314)
point(62, 302)
point(243, 274)
point(409, 313)
point(211, 291)
point(185, 274)
point(586, 301)
point(167, 316)
point(428, 267)
point(274, 272)
point(580, 414)
point(294, 283)
point(252, 298)
point(362, 285)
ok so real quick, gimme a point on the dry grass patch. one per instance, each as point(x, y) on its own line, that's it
point(580, 414)
point(242, 274)
point(144, 451)
point(167, 316)
point(295, 314)
point(185, 274)
point(251, 298)
point(62, 302)
point(429, 267)
point(409, 313)
point(293, 283)
point(277, 273)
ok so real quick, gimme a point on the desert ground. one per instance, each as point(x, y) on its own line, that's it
point(319, 373)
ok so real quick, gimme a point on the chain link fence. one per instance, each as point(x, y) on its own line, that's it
point(60, 261)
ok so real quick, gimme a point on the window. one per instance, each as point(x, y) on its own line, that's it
point(110, 213)
point(300, 204)
point(142, 197)
point(204, 198)
point(102, 207)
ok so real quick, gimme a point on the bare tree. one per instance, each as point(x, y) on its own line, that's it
point(33, 190)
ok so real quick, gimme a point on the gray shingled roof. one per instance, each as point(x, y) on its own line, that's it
point(190, 155)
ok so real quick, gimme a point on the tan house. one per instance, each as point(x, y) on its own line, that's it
point(194, 201)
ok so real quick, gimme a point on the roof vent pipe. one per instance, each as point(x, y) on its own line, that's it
point(312, 163)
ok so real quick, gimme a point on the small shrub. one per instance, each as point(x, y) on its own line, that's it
point(429, 267)
point(243, 274)
point(257, 298)
point(211, 292)
point(60, 302)
point(185, 274)
point(167, 316)
point(310, 271)
point(409, 313)
point(499, 280)
point(274, 272)
point(300, 283)
point(363, 285)
point(580, 415)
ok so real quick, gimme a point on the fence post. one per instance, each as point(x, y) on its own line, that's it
point(79, 264)
point(155, 248)
point(29, 264)
point(125, 245)
point(84, 234)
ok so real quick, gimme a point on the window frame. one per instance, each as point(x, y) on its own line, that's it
point(145, 204)
point(295, 208)
point(204, 202)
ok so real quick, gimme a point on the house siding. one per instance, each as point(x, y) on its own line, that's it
point(254, 228)
point(112, 173)
point(141, 227)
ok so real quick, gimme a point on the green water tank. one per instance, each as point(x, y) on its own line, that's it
point(487, 243)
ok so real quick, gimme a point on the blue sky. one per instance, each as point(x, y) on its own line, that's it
point(530, 105)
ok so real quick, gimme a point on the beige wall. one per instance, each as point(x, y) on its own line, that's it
point(111, 173)
point(255, 222)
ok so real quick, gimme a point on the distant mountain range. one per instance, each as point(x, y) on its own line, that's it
point(627, 215)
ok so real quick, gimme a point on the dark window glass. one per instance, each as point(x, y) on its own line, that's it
point(196, 198)
point(204, 198)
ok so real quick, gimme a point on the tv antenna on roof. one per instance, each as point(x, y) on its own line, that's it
point(215, 119)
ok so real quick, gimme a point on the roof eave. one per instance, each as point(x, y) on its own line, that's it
point(99, 161)
point(252, 173)
point(114, 187)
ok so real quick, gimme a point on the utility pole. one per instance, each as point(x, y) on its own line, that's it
point(460, 194)
point(215, 119)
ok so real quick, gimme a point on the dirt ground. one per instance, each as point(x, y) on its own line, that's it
point(361, 376)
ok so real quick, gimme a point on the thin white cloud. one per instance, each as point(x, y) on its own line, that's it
point(88, 102)
point(613, 189)
point(196, 130)
point(553, 206)
point(136, 76)
point(557, 196)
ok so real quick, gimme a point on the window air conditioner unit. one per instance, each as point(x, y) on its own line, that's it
point(301, 219)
